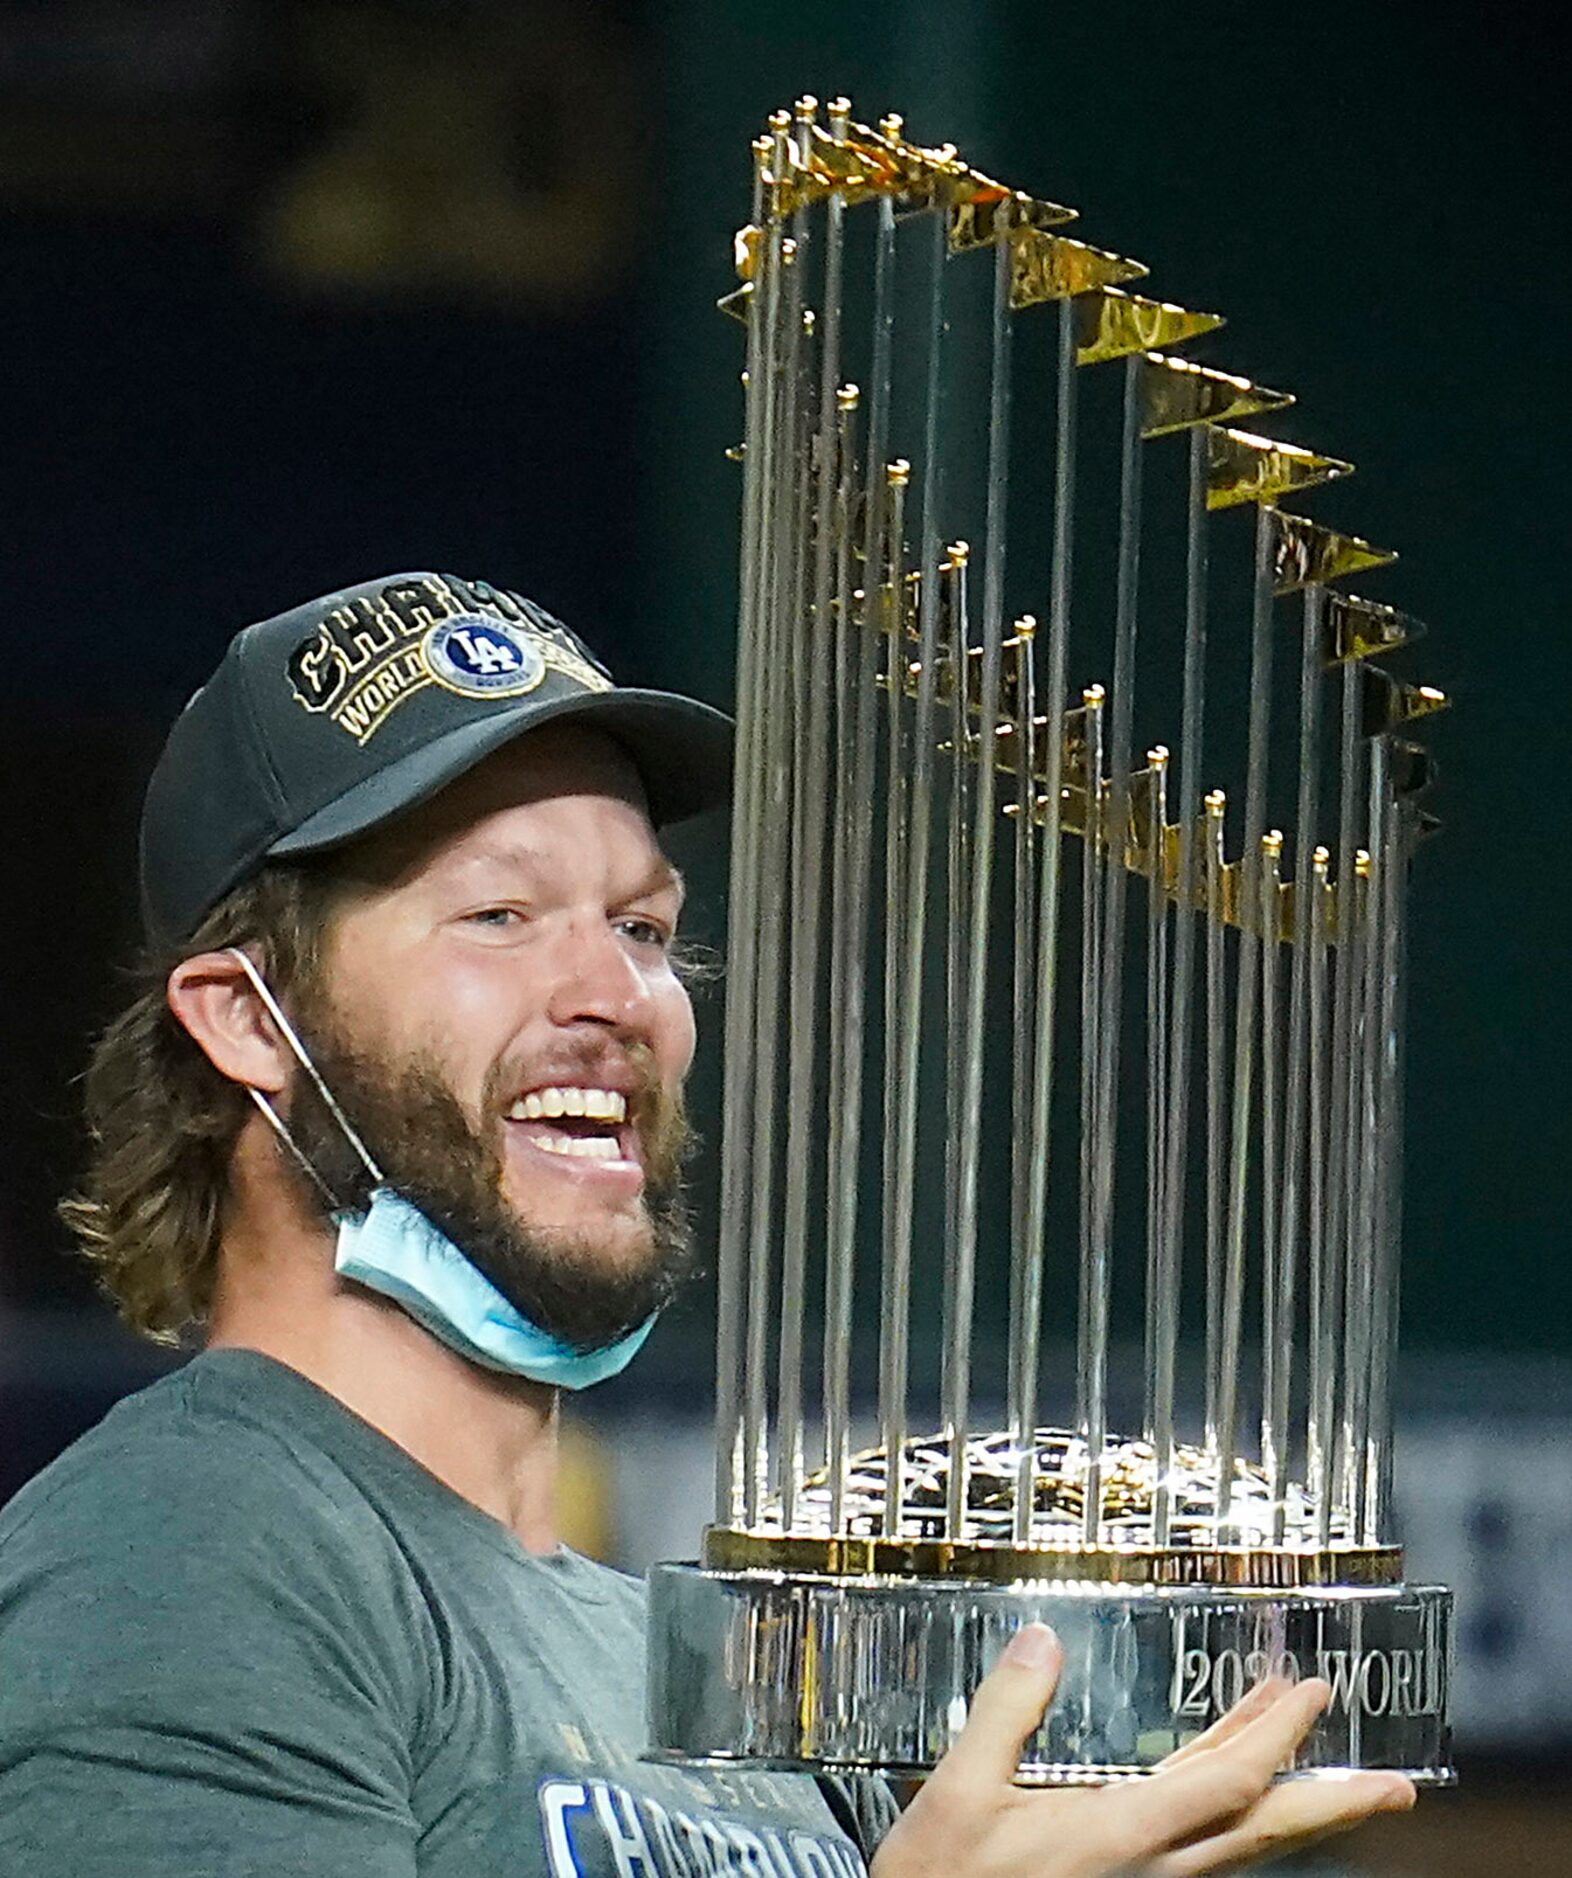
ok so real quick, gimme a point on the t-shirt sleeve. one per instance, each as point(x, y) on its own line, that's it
point(201, 1670)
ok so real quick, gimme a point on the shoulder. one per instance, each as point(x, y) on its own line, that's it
point(182, 1465)
point(205, 1640)
point(192, 1526)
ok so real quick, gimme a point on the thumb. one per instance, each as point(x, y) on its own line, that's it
point(1007, 1707)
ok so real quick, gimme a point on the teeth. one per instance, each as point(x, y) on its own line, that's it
point(606, 1105)
point(580, 1147)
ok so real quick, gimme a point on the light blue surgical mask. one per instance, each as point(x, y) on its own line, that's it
point(394, 1249)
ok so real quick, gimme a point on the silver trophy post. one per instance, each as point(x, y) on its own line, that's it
point(989, 978)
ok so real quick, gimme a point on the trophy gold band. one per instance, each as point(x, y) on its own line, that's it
point(977, 922)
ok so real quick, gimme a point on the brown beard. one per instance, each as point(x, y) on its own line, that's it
point(431, 1153)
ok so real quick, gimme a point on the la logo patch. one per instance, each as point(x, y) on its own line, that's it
point(479, 657)
point(375, 649)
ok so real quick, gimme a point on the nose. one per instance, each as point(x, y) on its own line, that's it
point(596, 981)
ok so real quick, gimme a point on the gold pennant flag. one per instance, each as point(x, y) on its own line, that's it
point(865, 163)
point(1177, 395)
point(1361, 629)
point(862, 164)
point(1112, 325)
point(983, 212)
point(1413, 768)
point(1389, 703)
point(1053, 267)
point(1241, 467)
point(858, 166)
point(1306, 555)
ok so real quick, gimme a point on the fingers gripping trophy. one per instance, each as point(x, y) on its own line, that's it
point(1003, 964)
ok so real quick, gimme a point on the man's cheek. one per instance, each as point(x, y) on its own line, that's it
point(680, 1027)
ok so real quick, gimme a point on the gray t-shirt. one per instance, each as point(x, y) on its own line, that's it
point(241, 1632)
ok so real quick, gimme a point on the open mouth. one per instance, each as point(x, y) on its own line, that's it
point(577, 1122)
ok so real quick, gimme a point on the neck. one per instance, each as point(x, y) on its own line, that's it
point(491, 1438)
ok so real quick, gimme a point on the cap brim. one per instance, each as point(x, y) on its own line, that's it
point(682, 750)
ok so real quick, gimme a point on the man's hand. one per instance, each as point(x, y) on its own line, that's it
point(1212, 1806)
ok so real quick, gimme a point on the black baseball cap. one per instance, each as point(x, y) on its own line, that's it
point(326, 721)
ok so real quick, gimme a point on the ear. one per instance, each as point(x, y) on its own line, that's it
point(213, 999)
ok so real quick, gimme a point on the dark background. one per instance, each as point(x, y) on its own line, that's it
point(256, 348)
point(295, 294)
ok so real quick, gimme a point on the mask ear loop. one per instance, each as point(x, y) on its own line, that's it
point(287, 1030)
point(275, 1122)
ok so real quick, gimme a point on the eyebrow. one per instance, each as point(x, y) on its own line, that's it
point(661, 877)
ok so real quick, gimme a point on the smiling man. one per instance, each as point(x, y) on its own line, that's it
point(506, 1024)
point(394, 1125)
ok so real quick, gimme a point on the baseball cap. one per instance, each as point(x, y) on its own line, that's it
point(327, 721)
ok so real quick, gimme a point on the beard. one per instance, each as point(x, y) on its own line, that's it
point(567, 1283)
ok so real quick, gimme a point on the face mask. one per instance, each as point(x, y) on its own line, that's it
point(394, 1249)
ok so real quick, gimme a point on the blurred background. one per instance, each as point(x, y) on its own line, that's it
point(295, 294)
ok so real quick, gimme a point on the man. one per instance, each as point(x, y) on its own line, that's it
point(396, 1123)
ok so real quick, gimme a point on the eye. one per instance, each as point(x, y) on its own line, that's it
point(495, 918)
point(645, 932)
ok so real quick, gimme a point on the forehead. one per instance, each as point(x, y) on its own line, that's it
point(530, 786)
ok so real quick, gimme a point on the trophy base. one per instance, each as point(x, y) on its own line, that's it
point(873, 1674)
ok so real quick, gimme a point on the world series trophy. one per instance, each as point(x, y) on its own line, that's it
point(971, 929)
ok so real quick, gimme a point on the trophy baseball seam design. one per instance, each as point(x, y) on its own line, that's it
point(944, 874)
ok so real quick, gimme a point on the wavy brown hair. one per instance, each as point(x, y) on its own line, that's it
point(162, 1121)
